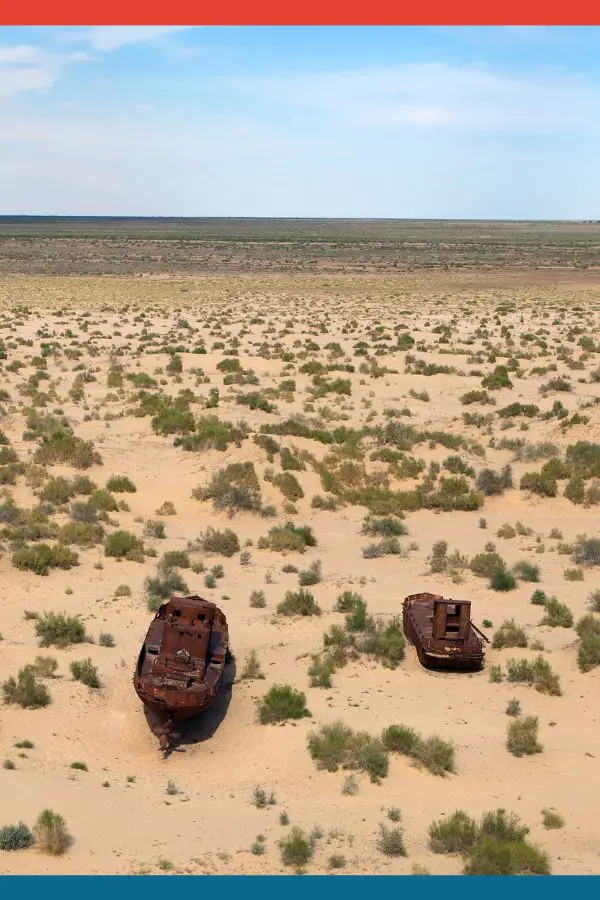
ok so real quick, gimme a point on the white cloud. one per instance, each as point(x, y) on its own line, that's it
point(26, 68)
point(106, 38)
point(435, 95)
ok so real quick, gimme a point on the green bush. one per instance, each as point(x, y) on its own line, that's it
point(558, 615)
point(44, 667)
point(15, 837)
point(537, 673)
point(587, 626)
point(586, 551)
point(320, 671)
point(538, 483)
point(121, 484)
point(385, 641)
point(391, 841)
point(502, 826)
point(51, 833)
point(584, 459)
point(155, 529)
point(174, 559)
point(310, 576)
point(288, 537)
point(496, 846)
point(336, 746)
point(57, 491)
point(282, 702)
point(384, 525)
point(513, 707)
point(212, 434)
point(84, 512)
point(43, 557)
point(61, 446)
point(575, 490)
point(475, 397)
point(457, 834)
point(25, 690)
point(290, 462)
point(296, 849)
point(485, 564)
point(400, 739)
point(124, 545)
point(226, 543)
point(347, 601)
point(161, 587)
point(526, 571)
point(503, 580)
point(522, 737)
point(298, 603)
point(83, 534)
point(232, 489)
point(175, 365)
point(173, 418)
point(573, 574)
point(497, 379)
point(289, 486)
point(255, 400)
point(492, 483)
point(436, 755)
point(388, 546)
point(588, 653)
point(551, 819)
point(59, 630)
point(84, 671)
point(331, 746)
point(509, 634)
point(103, 501)
point(490, 857)
point(258, 600)
point(326, 503)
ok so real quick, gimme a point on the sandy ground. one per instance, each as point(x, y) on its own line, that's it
point(120, 816)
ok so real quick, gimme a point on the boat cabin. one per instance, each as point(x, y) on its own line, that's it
point(451, 620)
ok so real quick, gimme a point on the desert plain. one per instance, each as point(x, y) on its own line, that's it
point(305, 444)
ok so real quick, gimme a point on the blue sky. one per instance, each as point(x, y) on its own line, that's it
point(327, 121)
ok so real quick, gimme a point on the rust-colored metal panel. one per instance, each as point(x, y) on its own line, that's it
point(181, 663)
point(442, 632)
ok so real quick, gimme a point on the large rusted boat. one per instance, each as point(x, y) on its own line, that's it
point(181, 664)
point(443, 633)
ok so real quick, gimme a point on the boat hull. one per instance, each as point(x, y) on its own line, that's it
point(178, 703)
point(441, 655)
point(181, 664)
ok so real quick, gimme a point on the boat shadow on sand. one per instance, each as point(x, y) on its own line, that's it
point(203, 726)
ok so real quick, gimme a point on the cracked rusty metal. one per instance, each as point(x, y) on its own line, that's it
point(443, 633)
point(180, 667)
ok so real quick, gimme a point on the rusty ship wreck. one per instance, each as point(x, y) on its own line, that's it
point(181, 664)
point(442, 632)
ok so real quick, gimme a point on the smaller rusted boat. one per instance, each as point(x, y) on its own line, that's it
point(181, 663)
point(442, 632)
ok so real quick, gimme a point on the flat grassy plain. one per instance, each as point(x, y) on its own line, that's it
point(103, 246)
point(434, 429)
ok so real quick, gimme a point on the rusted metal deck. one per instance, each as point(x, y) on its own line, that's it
point(181, 663)
point(442, 632)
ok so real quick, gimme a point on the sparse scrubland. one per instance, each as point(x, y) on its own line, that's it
point(305, 448)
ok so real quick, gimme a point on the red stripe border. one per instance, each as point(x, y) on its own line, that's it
point(309, 12)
